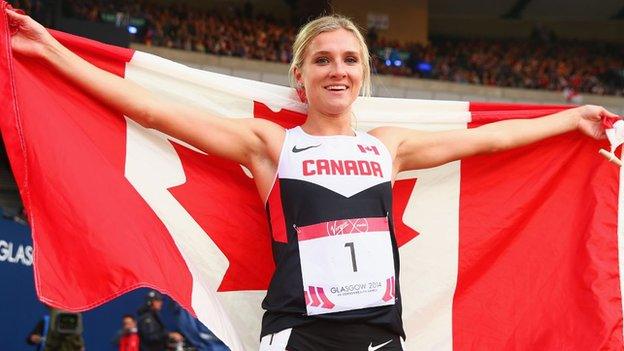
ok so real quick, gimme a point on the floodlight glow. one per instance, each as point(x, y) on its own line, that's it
point(424, 67)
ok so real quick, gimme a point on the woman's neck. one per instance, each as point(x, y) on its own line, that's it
point(319, 124)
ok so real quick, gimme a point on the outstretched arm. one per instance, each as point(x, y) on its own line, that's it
point(250, 142)
point(413, 149)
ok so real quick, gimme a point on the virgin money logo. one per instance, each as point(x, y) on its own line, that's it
point(347, 226)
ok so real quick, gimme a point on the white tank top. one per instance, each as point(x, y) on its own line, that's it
point(343, 164)
point(335, 253)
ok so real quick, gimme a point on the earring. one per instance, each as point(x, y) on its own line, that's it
point(301, 93)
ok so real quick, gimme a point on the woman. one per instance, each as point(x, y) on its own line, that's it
point(326, 186)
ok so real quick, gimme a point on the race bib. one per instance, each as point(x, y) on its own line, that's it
point(347, 265)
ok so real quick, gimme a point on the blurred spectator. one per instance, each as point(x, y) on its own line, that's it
point(572, 96)
point(152, 332)
point(196, 335)
point(127, 338)
point(18, 215)
point(40, 10)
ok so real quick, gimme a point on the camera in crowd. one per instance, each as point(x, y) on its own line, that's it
point(68, 323)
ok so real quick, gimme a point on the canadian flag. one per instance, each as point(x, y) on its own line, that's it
point(514, 251)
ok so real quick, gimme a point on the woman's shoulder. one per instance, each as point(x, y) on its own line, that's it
point(385, 133)
point(389, 136)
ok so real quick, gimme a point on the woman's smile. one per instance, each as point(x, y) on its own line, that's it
point(332, 73)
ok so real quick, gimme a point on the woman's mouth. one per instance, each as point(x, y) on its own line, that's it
point(336, 87)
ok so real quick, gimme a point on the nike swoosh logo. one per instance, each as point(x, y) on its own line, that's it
point(295, 149)
point(373, 348)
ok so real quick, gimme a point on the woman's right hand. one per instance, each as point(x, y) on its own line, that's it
point(28, 37)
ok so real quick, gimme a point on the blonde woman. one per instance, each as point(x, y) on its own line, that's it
point(327, 187)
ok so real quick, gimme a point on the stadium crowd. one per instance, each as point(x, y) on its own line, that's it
point(539, 62)
point(233, 32)
point(596, 68)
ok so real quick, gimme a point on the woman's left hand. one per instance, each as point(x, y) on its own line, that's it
point(590, 122)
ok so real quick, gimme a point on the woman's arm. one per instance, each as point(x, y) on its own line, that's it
point(413, 149)
point(250, 142)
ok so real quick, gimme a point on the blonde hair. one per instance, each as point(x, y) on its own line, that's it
point(328, 24)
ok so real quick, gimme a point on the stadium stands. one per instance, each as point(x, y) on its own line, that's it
point(550, 64)
point(540, 62)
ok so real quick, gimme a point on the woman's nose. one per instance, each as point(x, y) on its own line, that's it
point(338, 69)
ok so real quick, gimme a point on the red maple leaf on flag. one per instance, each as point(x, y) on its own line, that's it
point(238, 225)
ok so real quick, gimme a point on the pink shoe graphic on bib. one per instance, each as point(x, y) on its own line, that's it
point(315, 297)
point(390, 294)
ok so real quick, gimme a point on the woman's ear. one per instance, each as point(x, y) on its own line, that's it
point(298, 75)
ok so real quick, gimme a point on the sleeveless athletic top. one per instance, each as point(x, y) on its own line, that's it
point(333, 243)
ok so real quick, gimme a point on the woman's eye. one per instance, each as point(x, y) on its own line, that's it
point(322, 60)
point(351, 59)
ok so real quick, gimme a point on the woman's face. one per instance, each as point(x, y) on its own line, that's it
point(332, 72)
